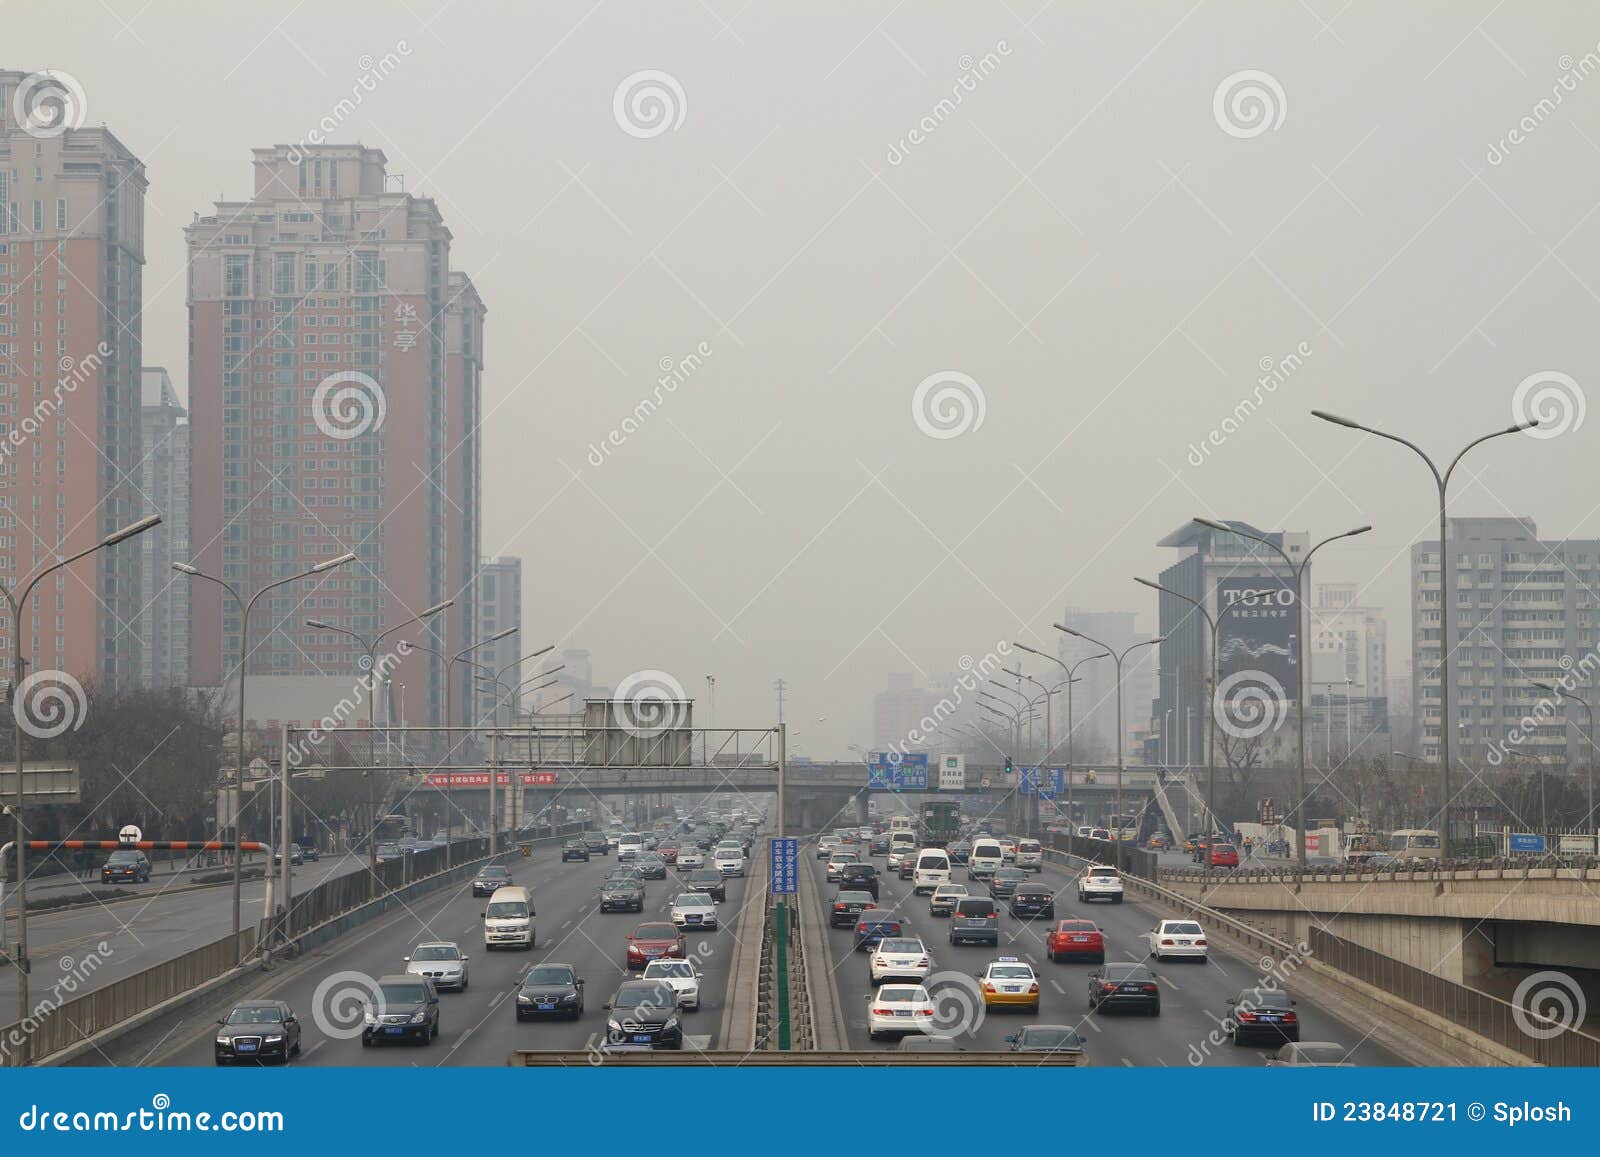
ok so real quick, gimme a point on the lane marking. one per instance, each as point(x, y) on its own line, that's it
point(1056, 984)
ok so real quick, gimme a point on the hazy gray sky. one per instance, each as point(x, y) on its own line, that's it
point(1080, 234)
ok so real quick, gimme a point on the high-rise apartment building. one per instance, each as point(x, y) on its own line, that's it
point(1524, 610)
point(334, 382)
point(1349, 707)
point(499, 605)
point(71, 263)
point(164, 482)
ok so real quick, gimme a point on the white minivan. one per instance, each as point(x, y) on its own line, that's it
point(984, 859)
point(933, 869)
point(508, 920)
point(1030, 855)
point(629, 845)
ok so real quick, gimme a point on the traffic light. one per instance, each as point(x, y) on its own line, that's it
point(1008, 765)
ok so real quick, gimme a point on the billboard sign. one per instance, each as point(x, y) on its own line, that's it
point(1259, 627)
point(891, 771)
point(785, 866)
point(953, 773)
point(481, 779)
point(1524, 842)
point(1045, 782)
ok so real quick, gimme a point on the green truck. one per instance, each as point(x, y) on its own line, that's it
point(939, 824)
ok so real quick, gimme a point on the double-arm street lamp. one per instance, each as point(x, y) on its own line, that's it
point(245, 607)
point(18, 673)
point(1588, 739)
point(1302, 618)
point(1072, 678)
point(1447, 640)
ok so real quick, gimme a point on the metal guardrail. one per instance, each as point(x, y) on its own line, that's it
point(1431, 871)
point(1539, 1038)
point(1135, 861)
point(695, 1058)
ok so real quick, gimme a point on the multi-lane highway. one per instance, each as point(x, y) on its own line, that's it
point(1193, 995)
point(478, 1026)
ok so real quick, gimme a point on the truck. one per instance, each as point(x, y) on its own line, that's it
point(940, 823)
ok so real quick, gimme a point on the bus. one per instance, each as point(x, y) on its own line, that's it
point(1124, 827)
point(1414, 844)
point(392, 828)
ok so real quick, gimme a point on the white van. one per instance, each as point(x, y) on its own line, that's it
point(629, 845)
point(933, 869)
point(508, 920)
point(1030, 855)
point(984, 859)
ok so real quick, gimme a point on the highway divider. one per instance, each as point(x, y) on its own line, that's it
point(739, 1014)
point(824, 1011)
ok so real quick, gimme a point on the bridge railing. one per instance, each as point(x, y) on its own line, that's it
point(1521, 869)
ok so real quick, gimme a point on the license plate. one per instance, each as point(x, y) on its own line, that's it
point(901, 1012)
point(1183, 943)
point(1080, 940)
point(641, 1038)
point(393, 1030)
point(244, 1048)
point(1131, 988)
point(546, 1006)
point(694, 919)
point(1011, 988)
point(1270, 1019)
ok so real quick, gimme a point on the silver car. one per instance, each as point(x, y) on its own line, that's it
point(441, 961)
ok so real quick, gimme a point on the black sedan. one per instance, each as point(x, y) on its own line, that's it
point(958, 851)
point(257, 1031)
point(1262, 1014)
point(1124, 986)
point(554, 990)
point(1004, 882)
point(624, 872)
point(859, 878)
point(406, 1008)
point(622, 896)
point(847, 906)
point(596, 843)
point(575, 850)
point(709, 881)
point(1033, 900)
point(651, 866)
point(643, 1015)
point(490, 877)
point(1045, 1038)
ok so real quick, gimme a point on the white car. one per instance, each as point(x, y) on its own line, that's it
point(729, 861)
point(1030, 855)
point(827, 845)
point(681, 975)
point(1008, 851)
point(899, 1008)
point(943, 900)
point(694, 910)
point(899, 958)
point(442, 961)
point(1183, 938)
point(898, 852)
point(837, 860)
point(1100, 882)
point(691, 857)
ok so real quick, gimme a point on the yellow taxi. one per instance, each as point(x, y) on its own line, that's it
point(1010, 983)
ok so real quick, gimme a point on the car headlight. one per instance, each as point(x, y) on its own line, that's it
point(419, 1016)
point(524, 999)
point(369, 1017)
point(613, 1026)
point(276, 1038)
point(672, 1023)
point(223, 1040)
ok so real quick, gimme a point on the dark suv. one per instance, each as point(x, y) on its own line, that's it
point(859, 878)
point(975, 920)
point(575, 850)
point(406, 1008)
point(127, 864)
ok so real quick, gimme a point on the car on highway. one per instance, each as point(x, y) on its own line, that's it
point(899, 958)
point(984, 859)
point(1224, 856)
point(1009, 982)
point(623, 895)
point(848, 906)
point(1124, 986)
point(827, 845)
point(391, 851)
point(441, 961)
point(550, 990)
point(694, 910)
point(690, 856)
point(1008, 850)
point(959, 851)
point(255, 1031)
point(651, 866)
point(928, 1044)
point(878, 845)
point(613, 838)
point(1099, 882)
point(1262, 1014)
point(652, 941)
point(1030, 855)
point(1005, 881)
point(643, 1014)
point(629, 845)
point(896, 1009)
point(1312, 1054)
point(575, 850)
point(1179, 939)
point(975, 920)
point(125, 866)
point(668, 851)
point(1075, 939)
point(297, 856)
point(308, 849)
point(489, 878)
point(730, 861)
point(404, 1008)
point(508, 920)
point(932, 868)
point(1033, 901)
point(876, 924)
point(943, 900)
point(626, 872)
point(597, 843)
point(1100, 834)
point(682, 976)
point(708, 880)
point(1046, 1038)
point(859, 878)
point(899, 853)
point(838, 859)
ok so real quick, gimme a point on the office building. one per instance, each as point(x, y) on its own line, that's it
point(499, 599)
point(164, 482)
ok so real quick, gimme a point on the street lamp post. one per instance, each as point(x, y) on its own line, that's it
point(1588, 819)
point(18, 673)
point(1118, 658)
point(1301, 619)
point(494, 773)
point(449, 720)
point(1446, 640)
point(1071, 679)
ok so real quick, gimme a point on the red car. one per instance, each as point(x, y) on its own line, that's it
point(654, 941)
point(1224, 856)
point(668, 851)
point(1080, 939)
